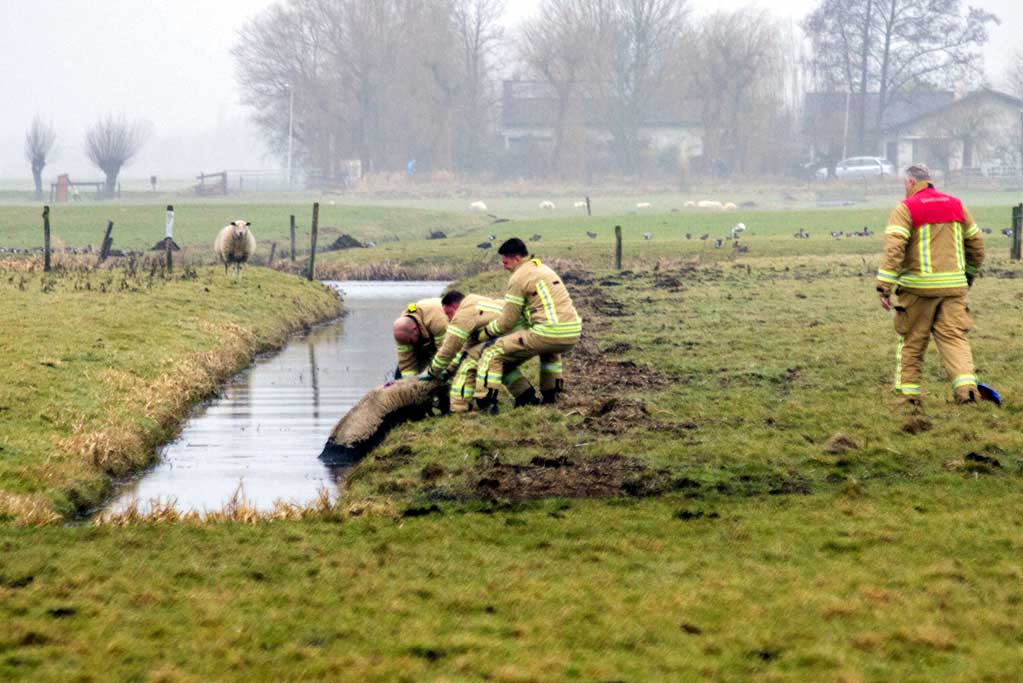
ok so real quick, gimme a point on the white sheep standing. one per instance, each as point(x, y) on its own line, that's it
point(710, 204)
point(689, 204)
point(547, 205)
point(737, 229)
point(729, 206)
point(478, 206)
point(643, 205)
point(235, 244)
point(579, 205)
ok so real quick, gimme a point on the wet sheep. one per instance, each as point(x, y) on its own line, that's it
point(235, 245)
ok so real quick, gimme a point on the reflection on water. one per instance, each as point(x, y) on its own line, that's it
point(271, 421)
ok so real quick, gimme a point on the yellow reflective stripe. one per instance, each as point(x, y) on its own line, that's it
point(961, 380)
point(960, 250)
point(407, 373)
point(908, 389)
point(405, 348)
point(515, 299)
point(897, 230)
point(461, 334)
point(513, 376)
point(559, 330)
point(548, 302)
point(550, 367)
point(887, 276)
point(933, 280)
point(972, 231)
point(438, 363)
point(925, 248)
point(898, 362)
point(489, 307)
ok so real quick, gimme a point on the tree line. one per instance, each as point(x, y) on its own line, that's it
point(390, 81)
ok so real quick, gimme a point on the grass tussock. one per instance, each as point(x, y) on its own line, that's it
point(27, 510)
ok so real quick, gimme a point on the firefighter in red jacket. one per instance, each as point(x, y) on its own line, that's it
point(932, 252)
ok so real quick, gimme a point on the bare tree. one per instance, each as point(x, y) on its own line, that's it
point(1014, 74)
point(737, 75)
point(894, 46)
point(39, 141)
point(479, 33)
point(634, 44)
point(112, 142)
point(555, 45)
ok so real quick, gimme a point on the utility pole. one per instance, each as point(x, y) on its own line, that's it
point(291, 116)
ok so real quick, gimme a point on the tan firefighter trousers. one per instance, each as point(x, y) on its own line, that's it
point(947, 319)
point(463, 382)
point(510, 351)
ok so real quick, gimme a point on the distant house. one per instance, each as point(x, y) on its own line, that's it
point(530, 114)
point(977, 134)
point(831, 121)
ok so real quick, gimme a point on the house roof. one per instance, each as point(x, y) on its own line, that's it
point(825, 110)
point(534, 104)
point(981, 93)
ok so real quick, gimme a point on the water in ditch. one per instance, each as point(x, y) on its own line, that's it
point(267, 427)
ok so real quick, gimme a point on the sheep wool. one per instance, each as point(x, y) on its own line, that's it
point(367, 422)
point(235, 245)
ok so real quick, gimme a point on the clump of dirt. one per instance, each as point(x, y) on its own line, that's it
point(618, 347)
point(668, 282)
point(839, 443)
point(601, 477)
point(616, 415)
point(916, 424)
point(345, 241)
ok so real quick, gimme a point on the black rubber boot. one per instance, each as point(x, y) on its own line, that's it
point(488, 404)
point(550, 396)
point(527, 398)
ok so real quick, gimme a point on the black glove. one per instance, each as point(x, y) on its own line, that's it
point(474, 336)
point(969, 280)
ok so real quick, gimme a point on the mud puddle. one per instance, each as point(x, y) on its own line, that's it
point(265, 429)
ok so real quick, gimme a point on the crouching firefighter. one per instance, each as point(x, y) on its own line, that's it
point(553, 327)
point(932, 252)
point(418, 332)
point(458, 358)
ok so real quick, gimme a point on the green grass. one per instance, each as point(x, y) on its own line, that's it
point(100, 366)
point(895, 583)
point(716, 385)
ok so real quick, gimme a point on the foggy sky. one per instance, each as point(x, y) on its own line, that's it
point(168, 61)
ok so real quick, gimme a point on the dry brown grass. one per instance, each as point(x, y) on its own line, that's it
point(27, 510)
point(237, 510)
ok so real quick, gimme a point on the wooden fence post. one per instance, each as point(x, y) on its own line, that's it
point(292, 238)
point(108, 241)
point(312, 244)
point(1017, 232)
point(588, 211)
point(273, 250)
point(46, 238)
point(618, 247)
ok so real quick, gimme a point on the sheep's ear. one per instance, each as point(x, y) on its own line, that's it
point(248, 222)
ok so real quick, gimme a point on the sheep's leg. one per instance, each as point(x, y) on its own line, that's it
point(225, 268)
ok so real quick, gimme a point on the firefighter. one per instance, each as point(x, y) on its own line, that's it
point(932, 252)
point(418, 332)
point(458, 357)
point(553, 327)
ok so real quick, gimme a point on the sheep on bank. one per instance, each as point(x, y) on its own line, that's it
point(579, 205)
point(643, 205)
point(729, 206)
point(235, 245)
point(710, 204)
point(547, 205)
point(478, 206)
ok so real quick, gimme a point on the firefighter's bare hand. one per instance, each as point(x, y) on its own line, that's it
point(886, 302)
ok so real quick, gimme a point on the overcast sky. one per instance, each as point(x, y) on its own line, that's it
point(168, 61)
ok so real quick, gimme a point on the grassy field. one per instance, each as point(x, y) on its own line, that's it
point(728, 492)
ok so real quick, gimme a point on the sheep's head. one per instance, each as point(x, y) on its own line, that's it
point(239, 229)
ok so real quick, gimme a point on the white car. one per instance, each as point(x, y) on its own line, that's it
point(859, 167)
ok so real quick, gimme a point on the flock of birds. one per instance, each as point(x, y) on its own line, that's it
point(735, 232)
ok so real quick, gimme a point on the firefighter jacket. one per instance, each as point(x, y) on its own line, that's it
point(932, 245)
point(474, 313)
point(433, 323)
point(536, 291)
